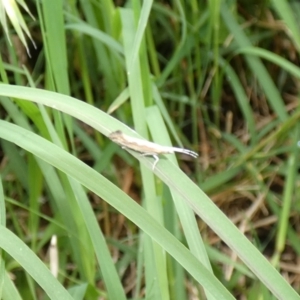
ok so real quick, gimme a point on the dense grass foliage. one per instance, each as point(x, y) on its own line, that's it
point(82, 218)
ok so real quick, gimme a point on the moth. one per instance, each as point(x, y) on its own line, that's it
point(146, 148)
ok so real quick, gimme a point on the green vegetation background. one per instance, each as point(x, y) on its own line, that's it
point(82, 218)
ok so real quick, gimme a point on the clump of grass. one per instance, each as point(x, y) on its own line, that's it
point(205, 77)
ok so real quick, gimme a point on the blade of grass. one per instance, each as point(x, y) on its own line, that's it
point(155, 260)
point(285, 10)
point(10, 291)
point(288, 194)
point(173, 178)
point(2, 255)
point(55, 41)
point(32, 264)
point(185, 213)
point(272, 57)
point(56, 56)
point(174, 61)
point(255, 64)
point(243, 101)
point(103, 19)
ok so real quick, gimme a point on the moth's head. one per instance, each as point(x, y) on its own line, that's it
point(115, 135)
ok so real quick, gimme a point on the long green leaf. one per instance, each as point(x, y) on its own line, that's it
point(173, 177)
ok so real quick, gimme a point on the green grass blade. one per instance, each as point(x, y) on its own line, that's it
point(139, 84)
point(32, 264)
point(285, 10)
point(255, 64)
point(274, 58)
point(172, 176)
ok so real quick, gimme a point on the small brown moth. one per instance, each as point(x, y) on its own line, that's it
point(146, 148)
